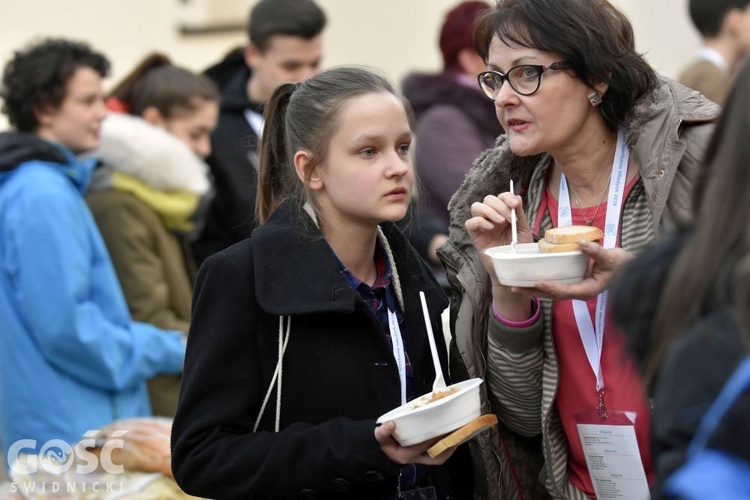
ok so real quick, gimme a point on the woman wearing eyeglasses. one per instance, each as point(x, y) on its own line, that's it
point(593, 137)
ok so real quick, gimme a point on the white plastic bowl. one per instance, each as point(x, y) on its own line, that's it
point(528, 265)
point(416, 425)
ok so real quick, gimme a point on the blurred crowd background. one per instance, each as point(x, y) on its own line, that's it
point(172, 114)
point(397, 36)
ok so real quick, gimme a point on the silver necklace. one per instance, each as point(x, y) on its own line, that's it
point(590, 221)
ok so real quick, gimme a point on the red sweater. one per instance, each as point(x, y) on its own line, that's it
point(577, 382)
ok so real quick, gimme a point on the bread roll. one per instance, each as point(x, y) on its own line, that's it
point(572, 234)
point(547, 247)
point(463, 434)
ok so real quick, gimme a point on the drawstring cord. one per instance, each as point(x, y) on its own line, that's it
point(276, 379)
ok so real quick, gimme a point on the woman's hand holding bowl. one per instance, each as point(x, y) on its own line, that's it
point(490, 226)
point(604, 265)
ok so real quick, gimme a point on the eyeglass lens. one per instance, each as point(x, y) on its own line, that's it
point(523, 79)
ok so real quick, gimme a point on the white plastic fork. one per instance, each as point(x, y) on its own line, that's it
point(439, 383)
point(514, 230)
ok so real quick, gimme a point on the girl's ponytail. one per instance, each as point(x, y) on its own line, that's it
point(123, 91)
point(156, 83)
point(275, 176)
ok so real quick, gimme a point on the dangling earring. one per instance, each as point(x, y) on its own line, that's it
point(595, 98)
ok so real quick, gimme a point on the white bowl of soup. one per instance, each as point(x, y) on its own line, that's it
point(527, 265)
point(436, 414)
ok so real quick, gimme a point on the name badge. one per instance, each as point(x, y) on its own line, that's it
point(612, 454)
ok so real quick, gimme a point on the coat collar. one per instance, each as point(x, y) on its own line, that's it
point(132, 146)
point(18, 148)
point(300, 273)
point(234, 94)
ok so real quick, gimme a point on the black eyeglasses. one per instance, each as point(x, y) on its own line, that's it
point(524, 79)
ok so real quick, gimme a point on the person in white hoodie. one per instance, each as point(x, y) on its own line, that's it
point(149, 194)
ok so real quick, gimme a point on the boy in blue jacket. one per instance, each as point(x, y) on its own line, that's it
point(71, 358)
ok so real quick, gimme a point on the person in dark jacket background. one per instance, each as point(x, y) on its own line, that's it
point(685, 304)
point(308, 331)
point(724, 26)
point(455, 122)
point(285, 45)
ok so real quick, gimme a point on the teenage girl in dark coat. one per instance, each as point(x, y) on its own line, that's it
point(290, 359)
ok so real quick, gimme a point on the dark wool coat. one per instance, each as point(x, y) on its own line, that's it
point(339, 375)
point(233, 162)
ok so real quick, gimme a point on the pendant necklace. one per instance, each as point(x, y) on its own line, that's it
point(590, 221)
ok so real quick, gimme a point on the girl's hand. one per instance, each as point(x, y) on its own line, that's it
point(603, 266)
point(490, 225)
point(415, 454)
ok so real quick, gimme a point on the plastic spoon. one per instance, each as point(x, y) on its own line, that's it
point(439, 380)
point(514, 230)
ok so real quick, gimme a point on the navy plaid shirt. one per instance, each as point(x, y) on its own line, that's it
point(379, 297)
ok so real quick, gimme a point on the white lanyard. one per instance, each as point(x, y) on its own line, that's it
point(593, 339)
point(255, 120)
point(398, 351)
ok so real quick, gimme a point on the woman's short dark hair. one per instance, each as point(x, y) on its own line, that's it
point(592, 36)
point(38, 75)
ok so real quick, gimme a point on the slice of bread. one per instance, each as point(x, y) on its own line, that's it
point(547, 247)
point(572, 234)
point(463, 434)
